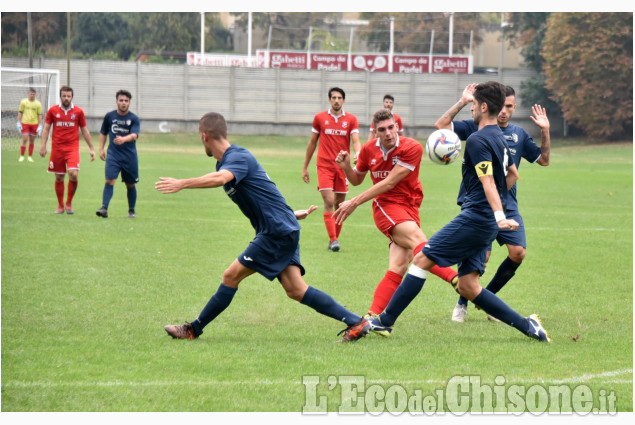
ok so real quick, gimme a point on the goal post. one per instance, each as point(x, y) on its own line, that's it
point(15, 86)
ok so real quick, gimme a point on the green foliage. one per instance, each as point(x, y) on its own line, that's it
point(412, 31)
point(85, 299)
point(527, 30)
point(589, 69)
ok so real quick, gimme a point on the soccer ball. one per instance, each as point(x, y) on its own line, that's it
point(443, 146)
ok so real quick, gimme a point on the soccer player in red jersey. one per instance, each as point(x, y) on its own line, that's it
point(389, 102)
point(336, 130)
point(393, 163)
point(67, 121)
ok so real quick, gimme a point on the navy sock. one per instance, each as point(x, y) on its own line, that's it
point(405, 293)
point(132, 197)
point(215, 306)
point(505, 272)
point(494, 306)
point(324, 304)
point(107, 196)
point(462, 300)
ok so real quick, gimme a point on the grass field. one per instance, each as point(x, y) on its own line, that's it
point(85, 299)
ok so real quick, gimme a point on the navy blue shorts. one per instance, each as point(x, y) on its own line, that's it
point(463, 241)
point(269, 254)
point(513, 237)
point(129, 170)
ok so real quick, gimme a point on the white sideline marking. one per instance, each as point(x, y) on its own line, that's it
point(267, 382)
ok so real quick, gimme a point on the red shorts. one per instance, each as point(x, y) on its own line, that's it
point(332, 178)
point(29, 129)
point(388, 215)
point(61, 161)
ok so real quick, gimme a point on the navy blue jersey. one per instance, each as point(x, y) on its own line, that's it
point(520, 143)
point(485, 148)
point(121, 125)
point(255, 194)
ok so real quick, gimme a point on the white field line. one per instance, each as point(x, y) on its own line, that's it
point(272, 382)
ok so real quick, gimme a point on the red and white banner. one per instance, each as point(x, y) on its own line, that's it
point(370, 63)
point(327, 61)
point(411, 64)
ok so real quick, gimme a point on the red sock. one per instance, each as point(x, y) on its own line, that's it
point(31, 145)
point(338, 229)
point(445, 273)
point(329, 222)
point(384, 291)
point(59, 191)
point(22, 150)
point(72, 187)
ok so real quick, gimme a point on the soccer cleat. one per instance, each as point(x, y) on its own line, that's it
point(69, 209)
point(29, 159)
point(131, 214)
point(377, 327)
point(185, 331)
point(355, 331)
point(102, 212)
point(536, 330)
point(59, 210)
point(459, 313)
point(21, 159)
point(334, 246)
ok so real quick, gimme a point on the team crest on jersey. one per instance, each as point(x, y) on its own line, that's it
point(326, 122)
point(72, 116)
point(373, 161)
point(344, 124)
point(395, 160)
point(515, 137)
point(57, 116)
point(128, 122)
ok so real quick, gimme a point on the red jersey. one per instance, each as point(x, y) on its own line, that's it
point(65, 125)
point(397, 121)
point(334, 135)
point(407, 153)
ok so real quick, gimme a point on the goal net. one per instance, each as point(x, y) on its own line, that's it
point(16, 83)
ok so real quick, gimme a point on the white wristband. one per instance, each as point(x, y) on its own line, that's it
point(499, 215)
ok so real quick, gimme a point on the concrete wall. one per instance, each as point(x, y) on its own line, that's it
point(264, 101)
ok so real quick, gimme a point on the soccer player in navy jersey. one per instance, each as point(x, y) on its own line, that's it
point(274, 252)
point(521, 145)
point(487, 176)
point(122, 126)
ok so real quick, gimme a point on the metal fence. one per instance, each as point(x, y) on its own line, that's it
point(172, 97)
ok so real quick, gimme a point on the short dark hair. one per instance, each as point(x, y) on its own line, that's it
point(509, 91)
point(31, 89)
point(337, 89)
point(382, 115)
point(123, 93)
point(492, 93)
point(214, 124)
point(389, 96)
point(66, 88)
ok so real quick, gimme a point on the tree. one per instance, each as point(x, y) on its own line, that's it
point(290, 30)
point(48, 29)
point(589, 68)
point(412, 31)
point(527, 30)
point(94, 33)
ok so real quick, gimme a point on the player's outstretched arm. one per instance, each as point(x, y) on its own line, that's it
point(211, 180)
point(495, 203)
point(302, 214)
point(539, 118)
point(445, 121)
point(45, 137)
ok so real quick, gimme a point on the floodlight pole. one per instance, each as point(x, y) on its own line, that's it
point(392, 43)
